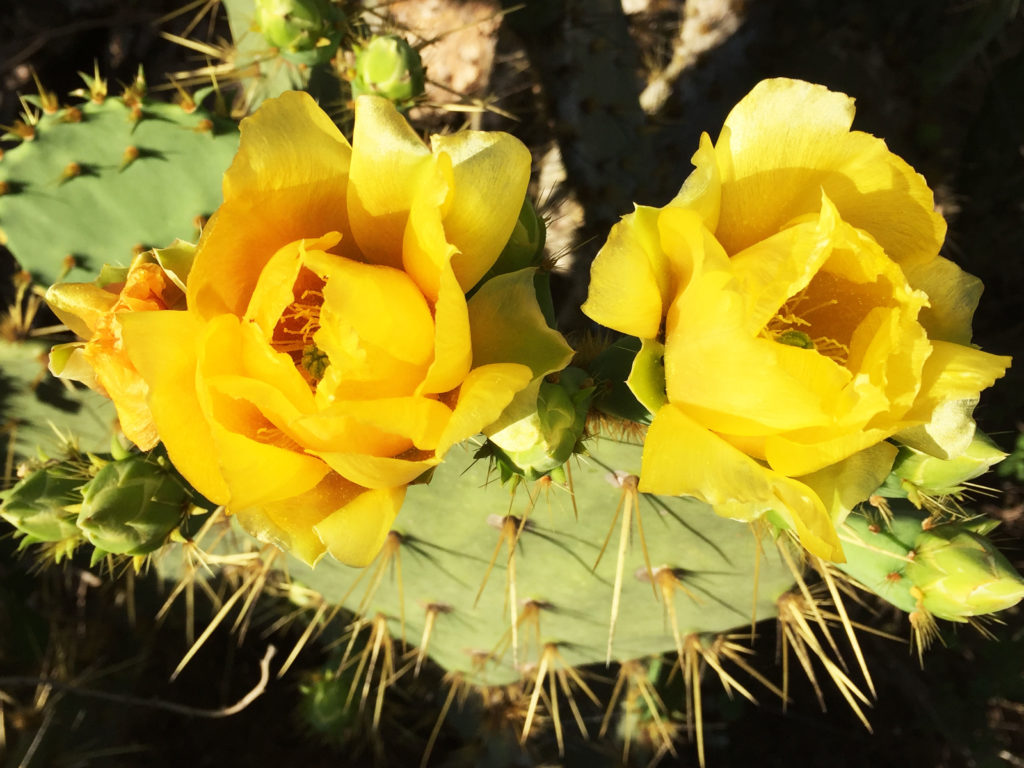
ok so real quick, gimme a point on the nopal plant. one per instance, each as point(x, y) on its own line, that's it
point(357, 370)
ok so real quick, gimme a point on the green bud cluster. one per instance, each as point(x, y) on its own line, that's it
point(388, 66)
point(950, 570)
point(304, 31)
point(122, 503)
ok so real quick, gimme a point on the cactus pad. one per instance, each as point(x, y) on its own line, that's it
point(99, 179)
point(447, 536)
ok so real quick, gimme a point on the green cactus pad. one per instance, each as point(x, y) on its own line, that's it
point(40, 411)
point(98, 180)
point(448, 536)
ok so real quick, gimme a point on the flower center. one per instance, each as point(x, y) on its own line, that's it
point(802, 322)
point(299, 321)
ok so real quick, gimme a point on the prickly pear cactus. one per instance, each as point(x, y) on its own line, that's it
point(117, 173)
point(710, 575)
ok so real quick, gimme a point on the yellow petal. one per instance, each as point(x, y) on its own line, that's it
point(482, 397)
point(508, 326)
point(683, 458)
point(800, 506)
point(389, 165)
point(710, 354)
point(952, 297)
point(844, 485)
point(426, 252)
point(80, 306)
point(490, 173)
point(275, 287)
point(788, 140)
point(355, 533)
point(625, 290)
point(258, 463)
point(702, 190)
point(377, 472)
point(287, 182)
point(380, 427)
point(291, 523)
point(162, 347)
point(453, 348)
point(381, 305)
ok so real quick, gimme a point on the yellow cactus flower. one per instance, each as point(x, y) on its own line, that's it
point(328, 355)
point(795, 315)
point(154, 281)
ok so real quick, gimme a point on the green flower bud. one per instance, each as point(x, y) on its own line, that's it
point(920, 473)
point(960, 573)
point(525, 246)
point(131, 506)
point(544, 439)
point(878, 556)
point(388, 66)
point(305, 31)
point(43, 507)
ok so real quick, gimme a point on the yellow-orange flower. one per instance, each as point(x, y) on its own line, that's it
point(154, 281)
point(794, 294)
point(328, 356)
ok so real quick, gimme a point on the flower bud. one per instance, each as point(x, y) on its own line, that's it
point(919, 472)
point(305, 31)
point(388, 66)
point(961, 574)
point(42, 507)
point(544, 439)
point(131, 506)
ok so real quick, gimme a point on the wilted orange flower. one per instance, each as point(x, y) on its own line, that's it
point(795, 316)
point(155, 281)
point(329, 356)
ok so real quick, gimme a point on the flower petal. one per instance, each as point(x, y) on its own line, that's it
point(786, 141)
point(507, 326)
point(258, 463)
point(162, 347)
point(389, 166)
point(625, 291)
point(485, 393)
point(453, 346)
point(952, 295)
point(377, 472)
point(290, 524)
point(490, 173)
point(702, 190)
point(845, 484)
point(355, 533)
point(287, 182)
